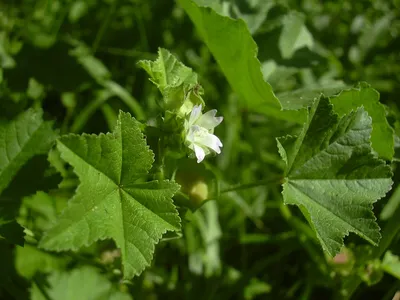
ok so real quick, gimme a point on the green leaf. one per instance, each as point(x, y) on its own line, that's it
point(235, 51)
point(166, 71)
point(295, 35)
point(29, 260)
point(305, 96)
point(83, 283)
point(39, 212)
point(171, 77)
point(20, 139)
point(391, 264)
point(26, 136)
point(382, 136)
point(112, 201)
point(333, 175)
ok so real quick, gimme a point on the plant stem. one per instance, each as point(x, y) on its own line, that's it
point(275, 179)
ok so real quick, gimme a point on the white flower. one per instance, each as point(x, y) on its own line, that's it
point(199, 132)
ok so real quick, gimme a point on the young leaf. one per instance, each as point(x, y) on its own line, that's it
point(112, 201)
point(82, 283)
point(332, 173)
point(166, 71)
point(382, 137)
point(170, 76)
point(20, 139)
point(235, 51)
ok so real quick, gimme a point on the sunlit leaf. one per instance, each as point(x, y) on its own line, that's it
point(112, 200)
point(172, 78)
point(332, 173)
point(238, 61)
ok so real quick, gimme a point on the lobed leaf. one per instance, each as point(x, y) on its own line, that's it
point(382, 137)
point(112, 201)
point(332, 173)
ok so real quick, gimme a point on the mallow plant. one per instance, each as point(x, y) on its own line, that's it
point(138, 184)
point(126, 189)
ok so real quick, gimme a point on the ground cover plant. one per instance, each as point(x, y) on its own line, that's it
point(199, 149)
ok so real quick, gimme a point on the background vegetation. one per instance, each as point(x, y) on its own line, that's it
point(77, 59)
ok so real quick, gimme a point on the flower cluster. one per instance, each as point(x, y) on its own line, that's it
point(199, 129)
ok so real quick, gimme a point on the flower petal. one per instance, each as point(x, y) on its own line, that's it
point(195, 114)
point(190, 136)
point(200, 154)
point(209, 120)
point(209, 140)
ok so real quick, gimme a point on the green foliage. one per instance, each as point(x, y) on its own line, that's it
point(239, 61)
point(29, 261)
point(101, 198)
point(294, 35)
point(391, 206)
point(391, 264)
point(20, 140)
point(39, 211)
point(382, 134)
point(82, 283)
point(332, 173)
point(10, 230)
point(203, 234)
point(112, 201)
